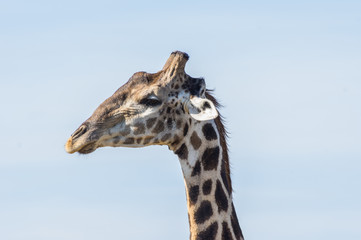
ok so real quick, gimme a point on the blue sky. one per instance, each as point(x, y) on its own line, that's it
point(288, 75)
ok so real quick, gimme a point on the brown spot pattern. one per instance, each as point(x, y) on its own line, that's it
point(139, 128)
point(204, 212)
point(195, 141)
point(182, 152)
point(207, 187)
point(129, 141)
point(209, 233)
point(159, 127)
point(210, 158)
point(226, 233)
point(165, 137)
point(126, 131)
point(147, 140)
point(209, 132)
point(221, 198)
point(193, 194)
point(150, 122)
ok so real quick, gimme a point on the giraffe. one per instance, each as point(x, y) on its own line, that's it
point(171, 108)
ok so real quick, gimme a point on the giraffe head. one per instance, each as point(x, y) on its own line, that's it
point(150, 109)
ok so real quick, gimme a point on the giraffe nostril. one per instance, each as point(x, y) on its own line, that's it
point(80, 131)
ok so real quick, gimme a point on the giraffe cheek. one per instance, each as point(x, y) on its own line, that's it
point(118, 130)
point(139, 128)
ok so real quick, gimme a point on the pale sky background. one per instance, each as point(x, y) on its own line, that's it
point(288, 75)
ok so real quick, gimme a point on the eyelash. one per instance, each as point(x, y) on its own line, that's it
point(150, 102)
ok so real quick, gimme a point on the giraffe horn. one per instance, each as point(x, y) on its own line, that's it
point(177, 61)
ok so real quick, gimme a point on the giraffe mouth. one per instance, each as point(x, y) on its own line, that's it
point(74, 146)
point(88, 148)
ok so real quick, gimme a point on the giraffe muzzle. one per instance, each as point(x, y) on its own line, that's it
point(78, 141)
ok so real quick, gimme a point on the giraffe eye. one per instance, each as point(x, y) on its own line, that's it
point(150, 101)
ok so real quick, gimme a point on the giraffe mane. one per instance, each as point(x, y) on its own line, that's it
point(223, 140)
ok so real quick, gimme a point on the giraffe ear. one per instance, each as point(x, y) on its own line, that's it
point(201, 109)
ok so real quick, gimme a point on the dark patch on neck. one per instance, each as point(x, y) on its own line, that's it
point(209, 233)
point(226, 233)
point(195, 141)
point(207, 187)
point(193, 194)
point(182, 152)
point(196, 169)
point(210, 158)
point(204, 212)
point(221, 198)
point(209, 132)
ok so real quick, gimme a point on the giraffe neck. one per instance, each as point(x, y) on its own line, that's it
point(208, 188)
